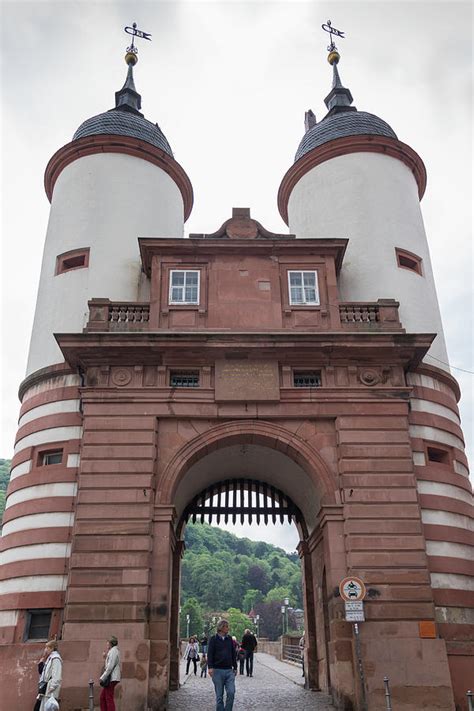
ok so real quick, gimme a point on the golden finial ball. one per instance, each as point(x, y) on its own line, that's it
point(131, 58)
point(333, 57)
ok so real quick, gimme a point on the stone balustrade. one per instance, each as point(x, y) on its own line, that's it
point(106, 315)
point(376, 315)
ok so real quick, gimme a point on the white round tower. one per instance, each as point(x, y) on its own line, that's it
point(353, 178)
point(116, 181)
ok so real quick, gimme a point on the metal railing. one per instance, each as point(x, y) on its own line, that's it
point(291, 653)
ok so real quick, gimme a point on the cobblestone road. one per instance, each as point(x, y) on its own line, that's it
point(275, 686)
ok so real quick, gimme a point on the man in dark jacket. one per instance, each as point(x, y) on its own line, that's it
point(222, 666)
point(249, 643)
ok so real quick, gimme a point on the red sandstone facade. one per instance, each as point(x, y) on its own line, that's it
point(348, 453)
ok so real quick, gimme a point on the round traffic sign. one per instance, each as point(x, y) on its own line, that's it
point(352, 588)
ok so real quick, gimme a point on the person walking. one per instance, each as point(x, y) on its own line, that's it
point(203, 665)
point(241, 654)
point(50, 667)
point(204, 643)
point(111, 675)
point(222, 665)
point(249, 643)
point(191, 654)
point(301, 646)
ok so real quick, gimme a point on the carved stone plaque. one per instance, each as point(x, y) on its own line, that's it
point(247, 380)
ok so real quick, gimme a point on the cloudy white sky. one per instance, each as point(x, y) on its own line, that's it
point(229, 83)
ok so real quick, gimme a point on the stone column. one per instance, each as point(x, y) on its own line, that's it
point(310, 653)
point(174, 619)
point(331, 523)
point(160, 606)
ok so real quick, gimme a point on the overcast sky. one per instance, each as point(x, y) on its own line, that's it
point(228, 83)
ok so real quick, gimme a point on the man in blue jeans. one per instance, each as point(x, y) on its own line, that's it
point(222, 666)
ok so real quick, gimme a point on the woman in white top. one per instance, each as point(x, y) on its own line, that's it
point(110, 676)
point(191, 653)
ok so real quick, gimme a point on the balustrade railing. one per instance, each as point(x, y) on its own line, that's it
point(381, 314)
point(105, 315)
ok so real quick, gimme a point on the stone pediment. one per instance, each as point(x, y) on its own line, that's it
point(242, 226)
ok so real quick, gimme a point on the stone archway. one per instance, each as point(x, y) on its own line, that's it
point(272, 454)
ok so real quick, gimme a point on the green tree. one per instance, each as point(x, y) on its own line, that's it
point(250, 599)
point(4, 479)
point(238, 623)
point(279, 594)
point(192, 608)
point(258, 577)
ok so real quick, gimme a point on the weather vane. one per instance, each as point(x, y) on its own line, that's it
point(136, 33)
point(332, 31)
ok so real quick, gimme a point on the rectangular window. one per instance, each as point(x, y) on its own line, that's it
point(184, 286)
point(184, 380)
point(51, 457)
point(440, 456)
point(306, 379)
point(76, 259)
point(303, 288)
point(408, 260)
point(38, 623)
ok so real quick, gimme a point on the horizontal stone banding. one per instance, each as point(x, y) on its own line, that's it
point(34, 600)
point(49, 436)
point(31, 522)
point(444, 564)
point(36, 567)
point(52, 406)
point(35, 536)
point(443, 475)
point(35, 506)
point(443, 503)
point(43, 475)
point(41, 491)
point(49, 422)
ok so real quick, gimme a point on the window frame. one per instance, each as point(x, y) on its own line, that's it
point(62, 259)
point(438, 447)
point(29, 616)
point(304, 304)
point(45, 452)
point(299, 372)
point(405, 254)
point(171, 287)
point(195, 373)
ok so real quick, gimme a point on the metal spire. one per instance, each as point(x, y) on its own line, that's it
point(128, 98)
point(339, 98)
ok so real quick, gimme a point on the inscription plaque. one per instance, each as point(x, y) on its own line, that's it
point(247, 380)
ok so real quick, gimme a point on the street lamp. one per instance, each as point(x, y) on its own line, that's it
point(187, 625)
point(283, 608)
point(256, 620)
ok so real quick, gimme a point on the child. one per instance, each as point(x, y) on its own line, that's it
point(203, 665)
point(241, 654)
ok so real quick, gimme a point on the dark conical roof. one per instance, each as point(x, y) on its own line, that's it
point(342, 120)
point(125, 119)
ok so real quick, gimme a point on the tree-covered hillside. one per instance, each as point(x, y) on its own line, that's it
point(4, 478)
point(221, 572)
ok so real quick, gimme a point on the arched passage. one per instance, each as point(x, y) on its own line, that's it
point(249, 451)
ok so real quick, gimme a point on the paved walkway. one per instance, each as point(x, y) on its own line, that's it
point(275, 686)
